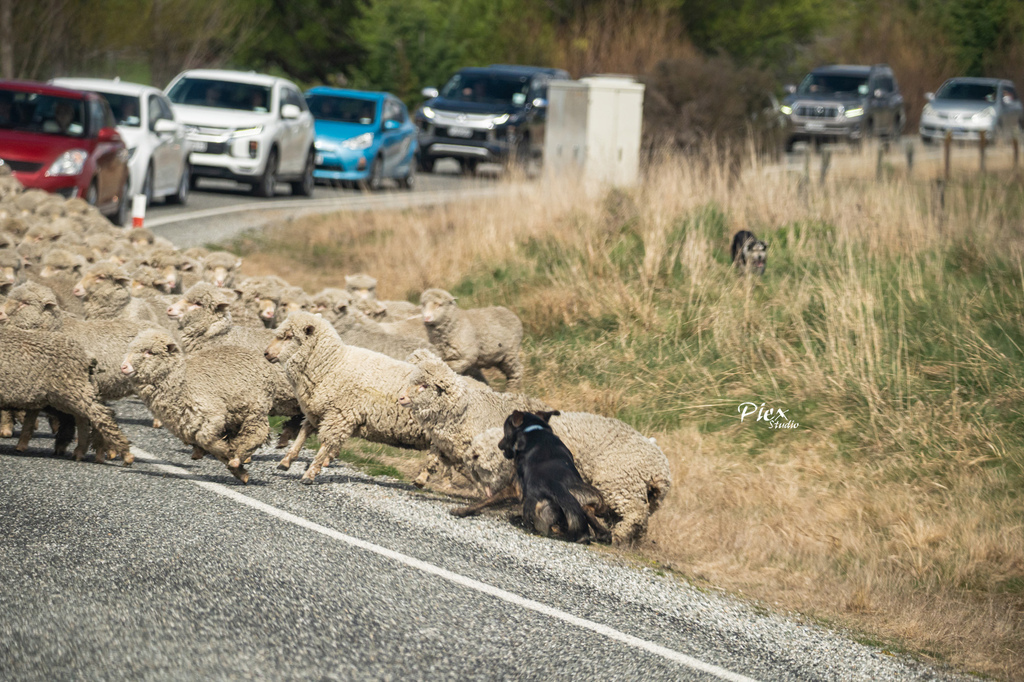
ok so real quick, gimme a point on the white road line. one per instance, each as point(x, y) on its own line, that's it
point(484, 588)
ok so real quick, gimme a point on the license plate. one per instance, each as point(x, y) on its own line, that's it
point(319, 160)
point(459, 131)
point(815, 126)
point(199, 147)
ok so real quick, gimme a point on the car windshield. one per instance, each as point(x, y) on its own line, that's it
point(343, 109)
point(125, 108)
point(486, 88)
point(221, 94)
point(33, 112)
point(976, 92)
point(834, 84)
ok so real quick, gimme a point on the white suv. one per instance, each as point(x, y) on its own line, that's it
point(247, 127)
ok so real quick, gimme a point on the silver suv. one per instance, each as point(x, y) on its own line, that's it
point(844, 102)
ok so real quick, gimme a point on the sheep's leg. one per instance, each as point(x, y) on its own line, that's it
point(251, 435)
point(509, 492)
point(6, 423)
point(28, 427)
point(197, 452)
point(157, 424)
point(332, 437)
point(634, 521)
point(290, 430)
point(316, 465)
point(300, 439)
point(431, 467)
point(512, 368)
point(64, 433)
point(84, 429)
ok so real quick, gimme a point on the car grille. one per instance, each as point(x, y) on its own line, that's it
point(475, 135)
point(811, 111)
point(22, 166)
point(216, 148)
point(330, 165)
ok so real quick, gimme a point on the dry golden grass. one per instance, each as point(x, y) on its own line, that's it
point(889, 329)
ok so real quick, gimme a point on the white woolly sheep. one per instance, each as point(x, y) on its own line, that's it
point(105, 291)
point(220, 267)
point(215, 399)
point(453, 409)
point(363, 288)
point(474, 339)
point(291, 300)
point(335, 305)
point(344, 390)
point(257, 301)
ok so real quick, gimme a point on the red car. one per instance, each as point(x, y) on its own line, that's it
point(64, 141)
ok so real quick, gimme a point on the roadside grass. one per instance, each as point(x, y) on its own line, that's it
point(889, 329)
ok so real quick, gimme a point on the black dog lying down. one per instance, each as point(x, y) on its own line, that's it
point(556, 500)
point(749, 252)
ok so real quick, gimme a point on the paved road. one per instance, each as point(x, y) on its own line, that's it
point(171, 570)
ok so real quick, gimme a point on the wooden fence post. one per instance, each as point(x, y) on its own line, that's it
point(1016, 153)
point(879, 163)
point(909, 149)
point(826, 158)
point(981, 148)
point(947, 144)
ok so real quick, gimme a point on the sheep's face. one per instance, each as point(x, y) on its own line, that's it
point(425, 395)
point(436, 311)
point(31, 307)
point(150, 355)
point(361, 287)
point(288, 340)
point(9, 276)
point(61, 268)
point(220, 273)
point(99, 278)
point(487, 466)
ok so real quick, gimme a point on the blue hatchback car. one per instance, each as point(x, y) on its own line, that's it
point(362, 138)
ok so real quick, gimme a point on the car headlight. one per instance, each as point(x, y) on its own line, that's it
point(359, 142)
point(786, 109)
point(987, 112)
point(498, 120)
point(70, 162)
point(428, 112)
point(855, 112)
point(247, 132)
point(324, 145)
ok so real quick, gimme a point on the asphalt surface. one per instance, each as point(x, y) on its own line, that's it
point(170, 569)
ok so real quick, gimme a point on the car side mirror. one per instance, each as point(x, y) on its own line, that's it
point(108, 135)
point(391, 125)
point(290, 111)
point(540, 103)
point(165, 125)
point(929, 96)
point(790, 89)
point(429, 93)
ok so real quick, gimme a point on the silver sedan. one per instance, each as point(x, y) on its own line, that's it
point(967, 106)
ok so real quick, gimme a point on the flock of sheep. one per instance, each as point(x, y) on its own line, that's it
point(90, 313)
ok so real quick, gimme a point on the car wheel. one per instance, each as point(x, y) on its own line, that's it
point(304, 187)
point(184, 184)
point(267, 182)
point(375, 180)
point(425, 163)
point(120, 218)
point(409, 181)
point(147, 186)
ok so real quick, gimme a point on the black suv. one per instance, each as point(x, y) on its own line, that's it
point(490, 113)
point(844, 102)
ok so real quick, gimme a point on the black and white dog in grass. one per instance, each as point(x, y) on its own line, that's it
point(556, 500)
point(748, 252)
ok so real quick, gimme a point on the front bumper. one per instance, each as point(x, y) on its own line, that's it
point(343, 164)
point(228, 157)
point(493, 145)
point(804, 129)
point(933, 128)
point(68, 186)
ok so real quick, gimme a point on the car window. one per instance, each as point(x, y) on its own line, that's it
point(154, 113)
point(884, 83)
point(291, 96)
point(39, 113)
point(100, 116)
point(833, 84)
point(165, 108)
point(343, 109)
point(205, 92)
point(391, 111)
point(960, 90)
point(125, 108)
point(1009, 94)
point(487, 88)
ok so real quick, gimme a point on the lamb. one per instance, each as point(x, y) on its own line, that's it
point(7, 241)
point(452, 410)
point(11, 273)
point(336, 307)
point(364, 294)
point(60, 270)
point(471, 340)
point(205, 321)
point(257, 301)
point(215, 399)
point(629, 469)
point(344, 390)
point(179, 271)
point(106, 294)
point(220, 268)
point(44, 369)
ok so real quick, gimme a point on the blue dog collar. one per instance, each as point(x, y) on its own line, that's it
point(533, 427)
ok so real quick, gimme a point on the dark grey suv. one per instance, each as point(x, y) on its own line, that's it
point(492, 113)
point(844, 102)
